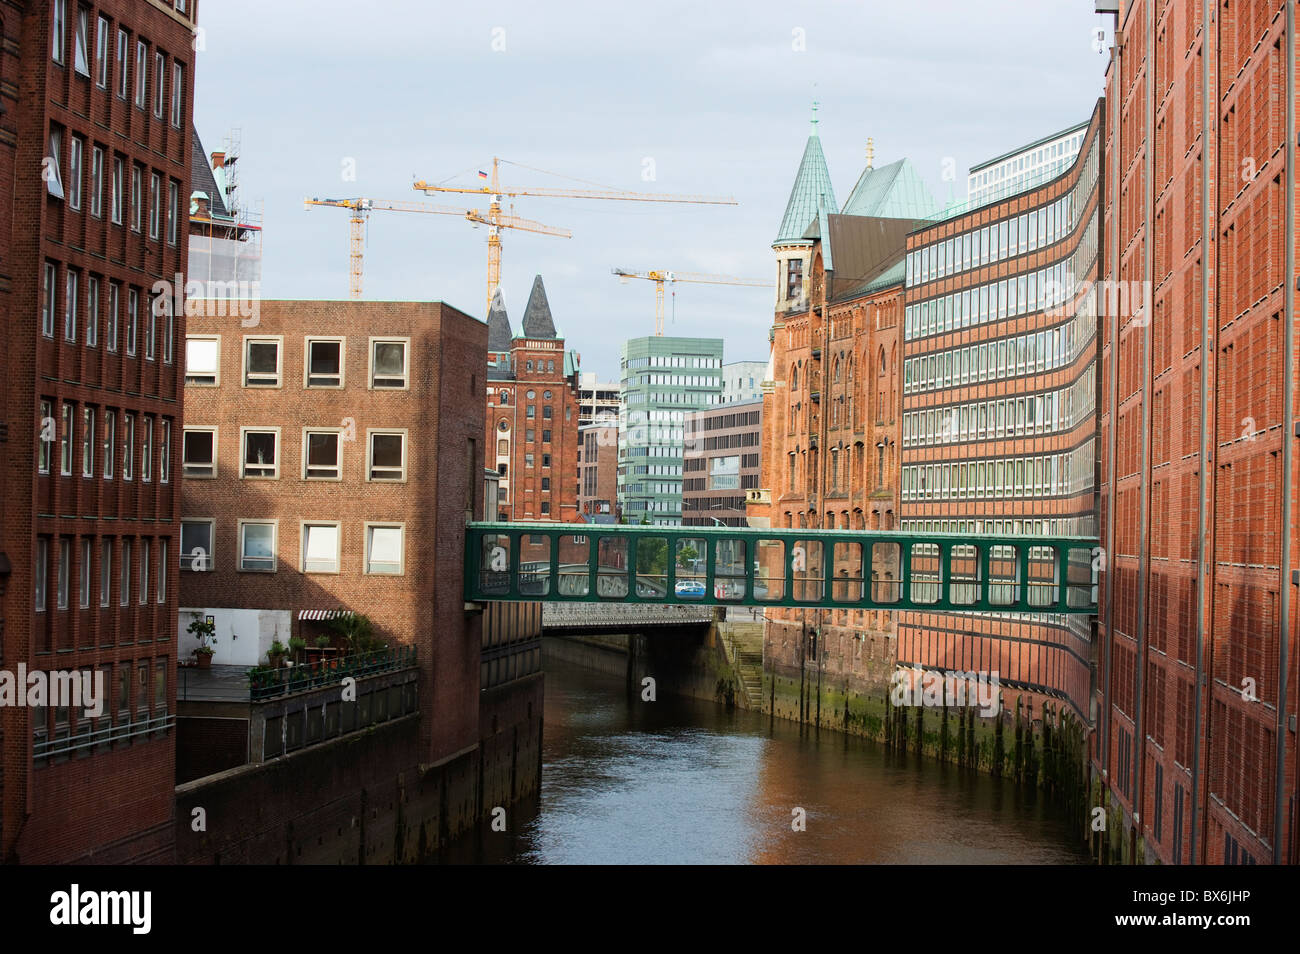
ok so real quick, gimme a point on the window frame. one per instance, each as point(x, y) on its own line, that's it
point(371, 434)
point(303, 527)
point(307, 342)
point(216, 375)
point(185, 558)
point(405, 341)
point(337, 432)
point(274, 524)
point(102, 32)
point(188, 429)
point(244, 431)
point(367, 528)
point(250, 340)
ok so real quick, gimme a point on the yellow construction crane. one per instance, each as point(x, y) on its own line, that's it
point(660, 277)
point(494, 218)
point(361, 209)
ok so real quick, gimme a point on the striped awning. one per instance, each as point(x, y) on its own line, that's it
point(322, 614)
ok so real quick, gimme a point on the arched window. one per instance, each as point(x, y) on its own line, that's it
point(505, 397)
point(794, 378)
point(881, 370)
point(835, 371)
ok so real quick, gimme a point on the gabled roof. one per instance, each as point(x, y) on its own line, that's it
point(202, 179)
point(865, 249)
point(498, 322)
point(537, 316)
point(811, 183)
point(894, 191)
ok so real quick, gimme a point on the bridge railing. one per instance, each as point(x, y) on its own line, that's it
point(856, 569)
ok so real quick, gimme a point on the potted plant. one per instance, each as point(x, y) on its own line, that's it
point(275, 655)
point(320, 650)
point(356, 629)
point(296, 646)
point(204, 629)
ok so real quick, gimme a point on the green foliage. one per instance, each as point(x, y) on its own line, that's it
point(323, 641)
point(205, 632)
point(297, 644)
point(652, 556)
point(687, 555)
point(357, 629)
point(277, 649)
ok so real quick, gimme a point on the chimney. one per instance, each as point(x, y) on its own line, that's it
point(218, 160)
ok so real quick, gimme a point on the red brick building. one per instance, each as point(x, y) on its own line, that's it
point(721, 464)
point(532, 414)
point(1197, 744)
point(94, 168)
point(332, 454)
point(598, 473)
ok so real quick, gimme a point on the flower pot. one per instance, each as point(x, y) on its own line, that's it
point(205, 660)
point(276, 659)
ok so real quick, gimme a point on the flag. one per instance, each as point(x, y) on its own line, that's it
point(482, 174)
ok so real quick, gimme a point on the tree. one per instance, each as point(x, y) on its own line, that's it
point(357, 629)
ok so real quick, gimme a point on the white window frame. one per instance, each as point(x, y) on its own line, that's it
point(124, 574)
point(111, 321)
point(303, 526)
point(87, 441)
point(83, 574)
point(105, 572)
point(163, 568)
point(279, 361)
point(81, 42)
point(97, 181)
point(155, 205)
point(369, 526)
point(41, 573)
point(71, 294)
point(76, 157)
point(186, 557)
point(63, 572)
point(119, 180)
point(146, 556)
point(371, 433)
point(133, 320)
point(164, 450)
point(159, 84)
point(92, 311)
point(306, 436)
point(406, 363)
point(123, 57)
point(197, 429)
point(141, 74)
point(275, 545)
point(110, 441)
point(216, 374)
point(59, 32)
point(178, 93)
point(49, 304)
point(128, 446)
point(67, 417)
point(101, 52)
point(146, 450)
point(243, 452)
point(307, 342)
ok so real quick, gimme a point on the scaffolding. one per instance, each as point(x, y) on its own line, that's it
point(225, 253)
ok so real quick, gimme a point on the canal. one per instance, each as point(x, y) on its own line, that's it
point(686, 781)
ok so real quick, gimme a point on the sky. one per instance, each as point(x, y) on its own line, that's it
point(339, 99)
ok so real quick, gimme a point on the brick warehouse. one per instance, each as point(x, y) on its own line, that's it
point(532, 413)
point(1197, 745)
point(327, 451)
point(94, 161)
point(999, 407)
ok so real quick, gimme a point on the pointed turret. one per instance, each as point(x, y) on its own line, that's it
point(537, 316)
point(811, 184)
point(498, 322)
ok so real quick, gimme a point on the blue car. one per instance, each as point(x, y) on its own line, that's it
point(692, 589)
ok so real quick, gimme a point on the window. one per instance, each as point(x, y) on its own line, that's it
point(146, 556)
point(196, 545)
point(164, 451)
point(70, 306)
point(83, 582)
point(546, 437)
point(42, 567)
point(159, 77)
point(202, 361)
point(97, 182)
point(388, 365)
point(101, 53)
point(74, 172)
point(60, 31)
point(65, 445)
point(81, 53)
point(123, 44)
point(92, 312)
point(324, 363)
point(110, 321)
point(146, 450)
point(124, 574)
point(199, 452)
point(65, 570)
point(128, 446)
point(151, 327)
point(51, 174)
point(261, 362)
point(137, 179)
point(257, 546)
point(178, 94)
point(173, 209)
point(116, 199)
point(48, 303)
point(42, 443)
point(322, 455)
point(110, 436)
point(384, 547)
point(387, 458)
point(87, 441)
point(260, 458)
point(320, 548)
point(141, 73)
point(105, 571)
point(155, 197)
point(162, 570)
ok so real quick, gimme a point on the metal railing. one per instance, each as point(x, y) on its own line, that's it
point(265, 682)
point(44, 748)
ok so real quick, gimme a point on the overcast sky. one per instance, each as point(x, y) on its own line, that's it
point(714, 95)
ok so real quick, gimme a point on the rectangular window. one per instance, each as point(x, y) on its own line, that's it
point(83, 582)
point(159, 92)
point(101, 53)
point(87, 441)
point(59, 31)
point(387, 456)
point(116, 189)
point(105, 571)
point(70, 306)
point(196, 545)
point(146, 557)
point(202, 361)
point(322, 455)
point(128, 446)
point(124, 583)
point(146, 450)
point(164, 451)
point(48, 302)
point(141, 74)
point(53, 161)
point(155, 200)
point(110, 435)
point(44, 437)
point(97, 182)
point(123, 44)
point(388, 363)
point(42, 567)
point(320, 548)
point(257, 546)
point(81, 53)
point(65, 570)
point(260, 457)
point(261, 362)
point(92, 312)
point(178, 94)
point(132, 319)
point(110, 325)
point(137, 185)
point(162, 570)
point(65, 446)
point(384, 549)
point(151, 325)
point(199, 452)
point(324, 363)
point(76, 149)
point(173, 210)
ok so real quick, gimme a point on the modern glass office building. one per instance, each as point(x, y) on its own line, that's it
point(662, 379)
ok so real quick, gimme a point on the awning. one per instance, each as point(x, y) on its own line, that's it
point(322, 614)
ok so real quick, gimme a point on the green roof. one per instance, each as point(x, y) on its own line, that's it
point(812, 182)
point(894, 191)
point(890, 276)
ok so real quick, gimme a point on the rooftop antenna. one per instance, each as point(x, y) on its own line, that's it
point(871, 151)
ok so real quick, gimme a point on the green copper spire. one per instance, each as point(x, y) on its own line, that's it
point(811, 183)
